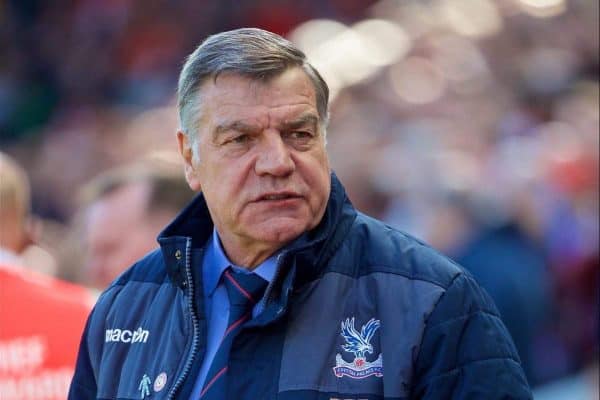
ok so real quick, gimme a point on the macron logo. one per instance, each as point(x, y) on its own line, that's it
point(126, 336)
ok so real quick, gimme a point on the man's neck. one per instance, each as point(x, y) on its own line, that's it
point(249, 256)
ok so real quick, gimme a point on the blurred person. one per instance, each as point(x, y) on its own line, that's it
point(571, 234)
point(41, 321)
point(14, 209)
point(139, 199)
point(41, 318)
point(270, 284)
point(512, 267)
point(18, 227)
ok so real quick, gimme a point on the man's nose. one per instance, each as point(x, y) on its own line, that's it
point(274, 156)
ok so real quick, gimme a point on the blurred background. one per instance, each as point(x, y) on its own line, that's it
point(471, 124)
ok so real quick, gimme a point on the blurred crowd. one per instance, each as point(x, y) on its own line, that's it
point(471, 124)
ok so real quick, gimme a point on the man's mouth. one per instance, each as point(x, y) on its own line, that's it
point(278, 196)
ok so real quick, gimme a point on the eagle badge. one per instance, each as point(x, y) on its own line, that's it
point(359, 344)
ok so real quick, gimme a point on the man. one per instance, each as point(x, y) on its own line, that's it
point(17, 224)
point(15, 205)
point(41, 318)
point(139, 198)
point(352, 309)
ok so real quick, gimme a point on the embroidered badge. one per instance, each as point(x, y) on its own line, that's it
point(144, 386)
point(160, 382)
point(360, 345)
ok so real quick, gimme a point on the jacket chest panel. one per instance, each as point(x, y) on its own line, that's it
point(143, 348)
point(351, 337)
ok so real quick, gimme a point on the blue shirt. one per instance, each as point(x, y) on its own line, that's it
point(214, 263)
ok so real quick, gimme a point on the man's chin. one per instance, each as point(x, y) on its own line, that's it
point(279, 231)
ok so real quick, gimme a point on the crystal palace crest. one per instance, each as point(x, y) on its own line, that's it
point(359, 344)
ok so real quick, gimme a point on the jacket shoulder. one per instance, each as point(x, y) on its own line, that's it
point(466, 350)
point(462, 334)
point(140, 300)
point(149, 271)
point(376, 247)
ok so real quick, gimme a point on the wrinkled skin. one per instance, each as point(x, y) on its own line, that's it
point(259, 158)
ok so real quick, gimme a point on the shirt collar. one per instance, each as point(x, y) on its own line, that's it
point(216, 262)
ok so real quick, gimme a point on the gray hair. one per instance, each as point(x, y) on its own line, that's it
point(251, 52)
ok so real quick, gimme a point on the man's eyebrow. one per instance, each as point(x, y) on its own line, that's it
point(238, 126)
point(304, 120)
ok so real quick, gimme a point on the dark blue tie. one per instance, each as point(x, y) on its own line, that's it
point(244, 291)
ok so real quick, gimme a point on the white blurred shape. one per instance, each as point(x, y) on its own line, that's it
point(345, 56)
point(543, 8)
point(387, 42)
point(416, 17)
point(417, 80)
point(472, 18)
point(350, 53)
point(309, 35)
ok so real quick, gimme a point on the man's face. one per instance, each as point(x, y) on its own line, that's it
point(261, 161)
point(119, 231)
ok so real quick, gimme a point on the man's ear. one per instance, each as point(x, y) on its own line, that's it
point(189, 161)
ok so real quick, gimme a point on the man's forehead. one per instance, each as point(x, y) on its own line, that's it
point(237, 89)
point(234, 98)
point(258, 79)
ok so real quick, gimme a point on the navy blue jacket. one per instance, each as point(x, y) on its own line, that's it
point(357, 310)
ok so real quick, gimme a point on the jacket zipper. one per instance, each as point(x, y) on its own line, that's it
point(194, 349)
point(190, 287)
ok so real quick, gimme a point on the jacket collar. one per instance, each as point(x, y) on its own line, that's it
point(193, 227)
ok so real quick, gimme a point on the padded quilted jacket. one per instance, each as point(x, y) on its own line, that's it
point(357, 310)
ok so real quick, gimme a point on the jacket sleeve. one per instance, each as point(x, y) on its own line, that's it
point(466, 351)
point(83, 385)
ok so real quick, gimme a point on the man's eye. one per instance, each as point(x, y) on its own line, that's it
point(300, 135)
point(241, 139)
